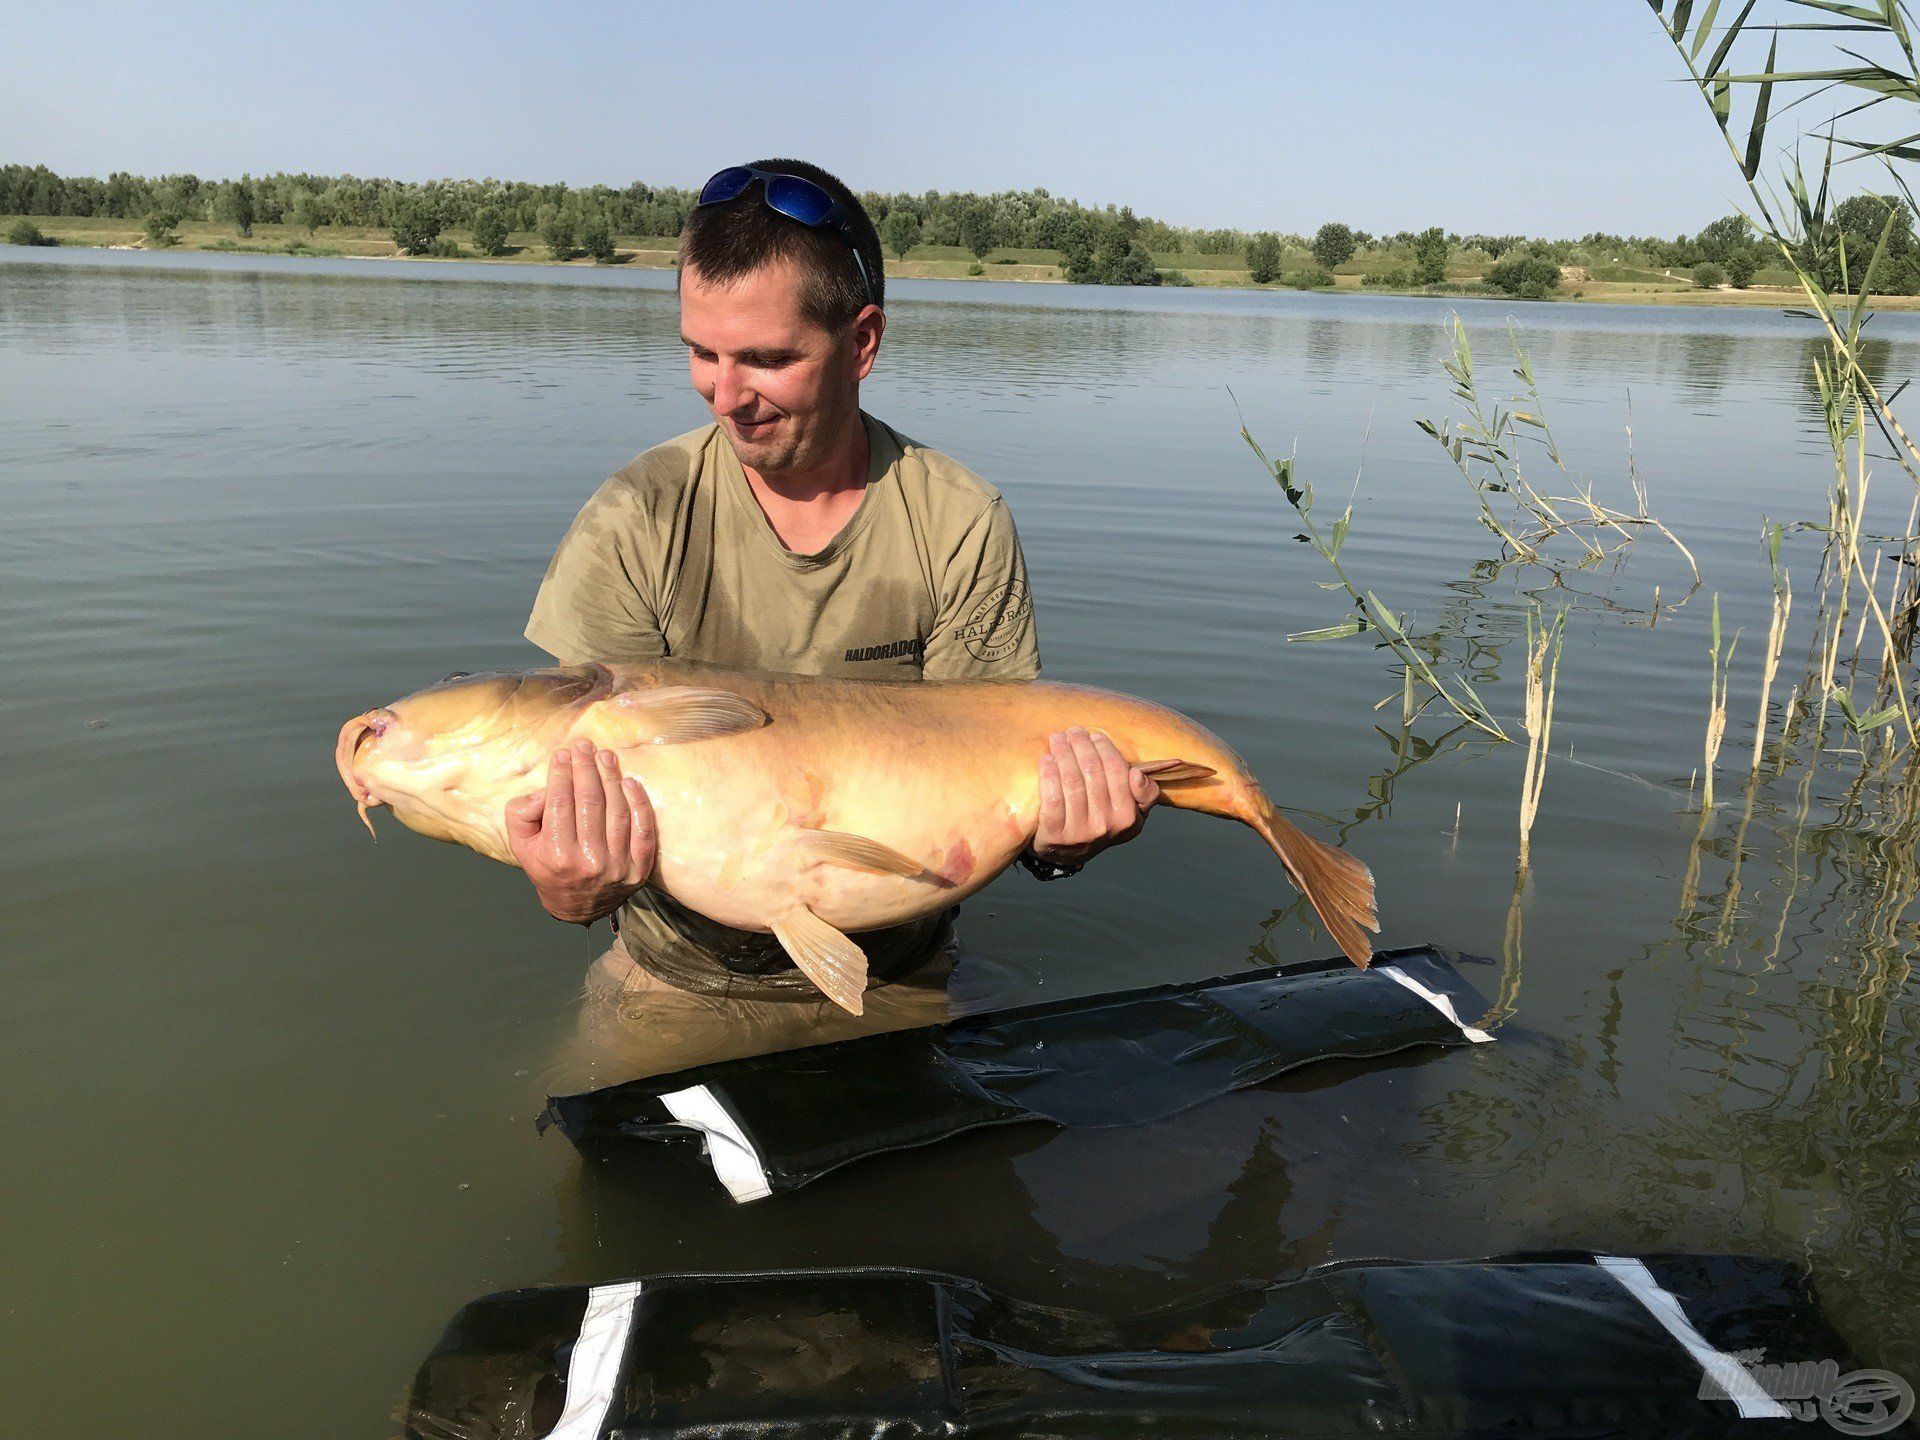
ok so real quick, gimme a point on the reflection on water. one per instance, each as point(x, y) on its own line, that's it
point(634, 1025)
point(274, 1085)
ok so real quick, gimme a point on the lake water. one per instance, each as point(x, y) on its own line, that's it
point(269, 1089)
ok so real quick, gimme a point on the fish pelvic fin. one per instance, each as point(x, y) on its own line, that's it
point(857, 852)
point(1171, 772)
point(677, 714)
point(1339, 886)
point(829, 959)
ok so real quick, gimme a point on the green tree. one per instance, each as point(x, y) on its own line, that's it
point(306, 211)
point(1076, 240)
point(1333, 245)
point(556, 231)
point(25, 232)
point(900, 231)
point(416, 224)
point(1708, 276)
point(1430, 256)
point(1122, 260)
point(976, 230)
point(490, 230)
point(161, 225)
point(596, 238)
point(1263, 258)
point(1860, 221)
point(1741, 266)
point(1719, 241)
point(240, 207)
point(1524, 276)
point(1109, 257)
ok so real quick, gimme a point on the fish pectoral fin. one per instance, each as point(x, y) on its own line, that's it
point(825, 956)
point(857, 852)
point(1169, 772)
point(676, 714)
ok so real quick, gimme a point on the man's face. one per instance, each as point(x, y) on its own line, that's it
point(782, 388)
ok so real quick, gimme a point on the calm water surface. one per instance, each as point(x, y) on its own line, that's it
point(269, 1089)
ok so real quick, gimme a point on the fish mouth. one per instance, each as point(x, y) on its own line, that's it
point(346, 750)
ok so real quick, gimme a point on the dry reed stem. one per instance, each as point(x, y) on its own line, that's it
point(1776, 642)
point(1717, 684)
point(1543, 676)
point(1857, 568)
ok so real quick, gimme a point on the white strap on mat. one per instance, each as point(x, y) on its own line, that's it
point(594, 1369)
point(735, 1162)
point(1442, 1003)
point(1729, 1374)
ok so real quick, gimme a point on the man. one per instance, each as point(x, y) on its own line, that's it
point(795, 533)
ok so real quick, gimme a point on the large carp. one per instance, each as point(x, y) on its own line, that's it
point(803, 806)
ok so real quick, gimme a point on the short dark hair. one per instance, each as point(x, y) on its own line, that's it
point(727, 241)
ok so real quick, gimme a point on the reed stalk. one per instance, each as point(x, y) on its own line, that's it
point(1543, 675)
point(1776, 640)
point(1875, 65)
point(1369, 612)
point(1484, 444)
point(1719, 679)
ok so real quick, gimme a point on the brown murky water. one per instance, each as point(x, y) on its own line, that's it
point(269, 1089)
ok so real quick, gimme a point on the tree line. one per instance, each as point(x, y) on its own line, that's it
point(1108, 245)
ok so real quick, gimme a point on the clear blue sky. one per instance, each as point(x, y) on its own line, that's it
point(1539, 116)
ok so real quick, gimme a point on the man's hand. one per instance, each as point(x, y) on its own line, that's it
point(1090, 798)
point(589, 841)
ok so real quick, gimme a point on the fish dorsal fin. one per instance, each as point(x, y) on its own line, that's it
point(1167, 772)
point(825, 956)
point(857, 852)
point(676, 714)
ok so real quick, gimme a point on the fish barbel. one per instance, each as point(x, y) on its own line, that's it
point(811, 808)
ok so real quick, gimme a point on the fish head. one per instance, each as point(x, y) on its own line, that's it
point(446, 759)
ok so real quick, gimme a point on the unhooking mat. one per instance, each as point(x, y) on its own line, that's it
point(772, 1123)
point(1549, 1346)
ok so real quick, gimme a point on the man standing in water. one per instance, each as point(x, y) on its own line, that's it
point(795, 533)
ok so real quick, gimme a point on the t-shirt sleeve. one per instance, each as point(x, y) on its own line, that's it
point(596, 602)
point(985, 629)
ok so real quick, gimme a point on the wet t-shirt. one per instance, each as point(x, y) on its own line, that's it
point(673, 556)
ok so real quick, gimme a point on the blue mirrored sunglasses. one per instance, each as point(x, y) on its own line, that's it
point(793, 196)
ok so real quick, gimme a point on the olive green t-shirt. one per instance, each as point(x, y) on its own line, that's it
point(673, 556)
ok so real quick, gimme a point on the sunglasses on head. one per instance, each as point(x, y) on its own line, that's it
point(793, 196)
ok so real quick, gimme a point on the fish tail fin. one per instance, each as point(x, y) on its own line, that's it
point(1197, 772)
point(1339, 886)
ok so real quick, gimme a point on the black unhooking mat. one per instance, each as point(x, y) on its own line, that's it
point(772, 1123)
point(1558, 1344)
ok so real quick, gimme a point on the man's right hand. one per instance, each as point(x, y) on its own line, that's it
point(588, 841)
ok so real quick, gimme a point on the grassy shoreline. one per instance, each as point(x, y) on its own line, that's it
point(925, 262)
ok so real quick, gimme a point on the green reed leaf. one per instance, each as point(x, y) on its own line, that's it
point(1331, 632)
point(1703, 29)
point(1757, 132)
point(1725, 47)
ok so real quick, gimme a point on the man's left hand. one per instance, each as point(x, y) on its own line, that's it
point(1090, 798)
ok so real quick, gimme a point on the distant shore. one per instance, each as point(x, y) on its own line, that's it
point(925, 262)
